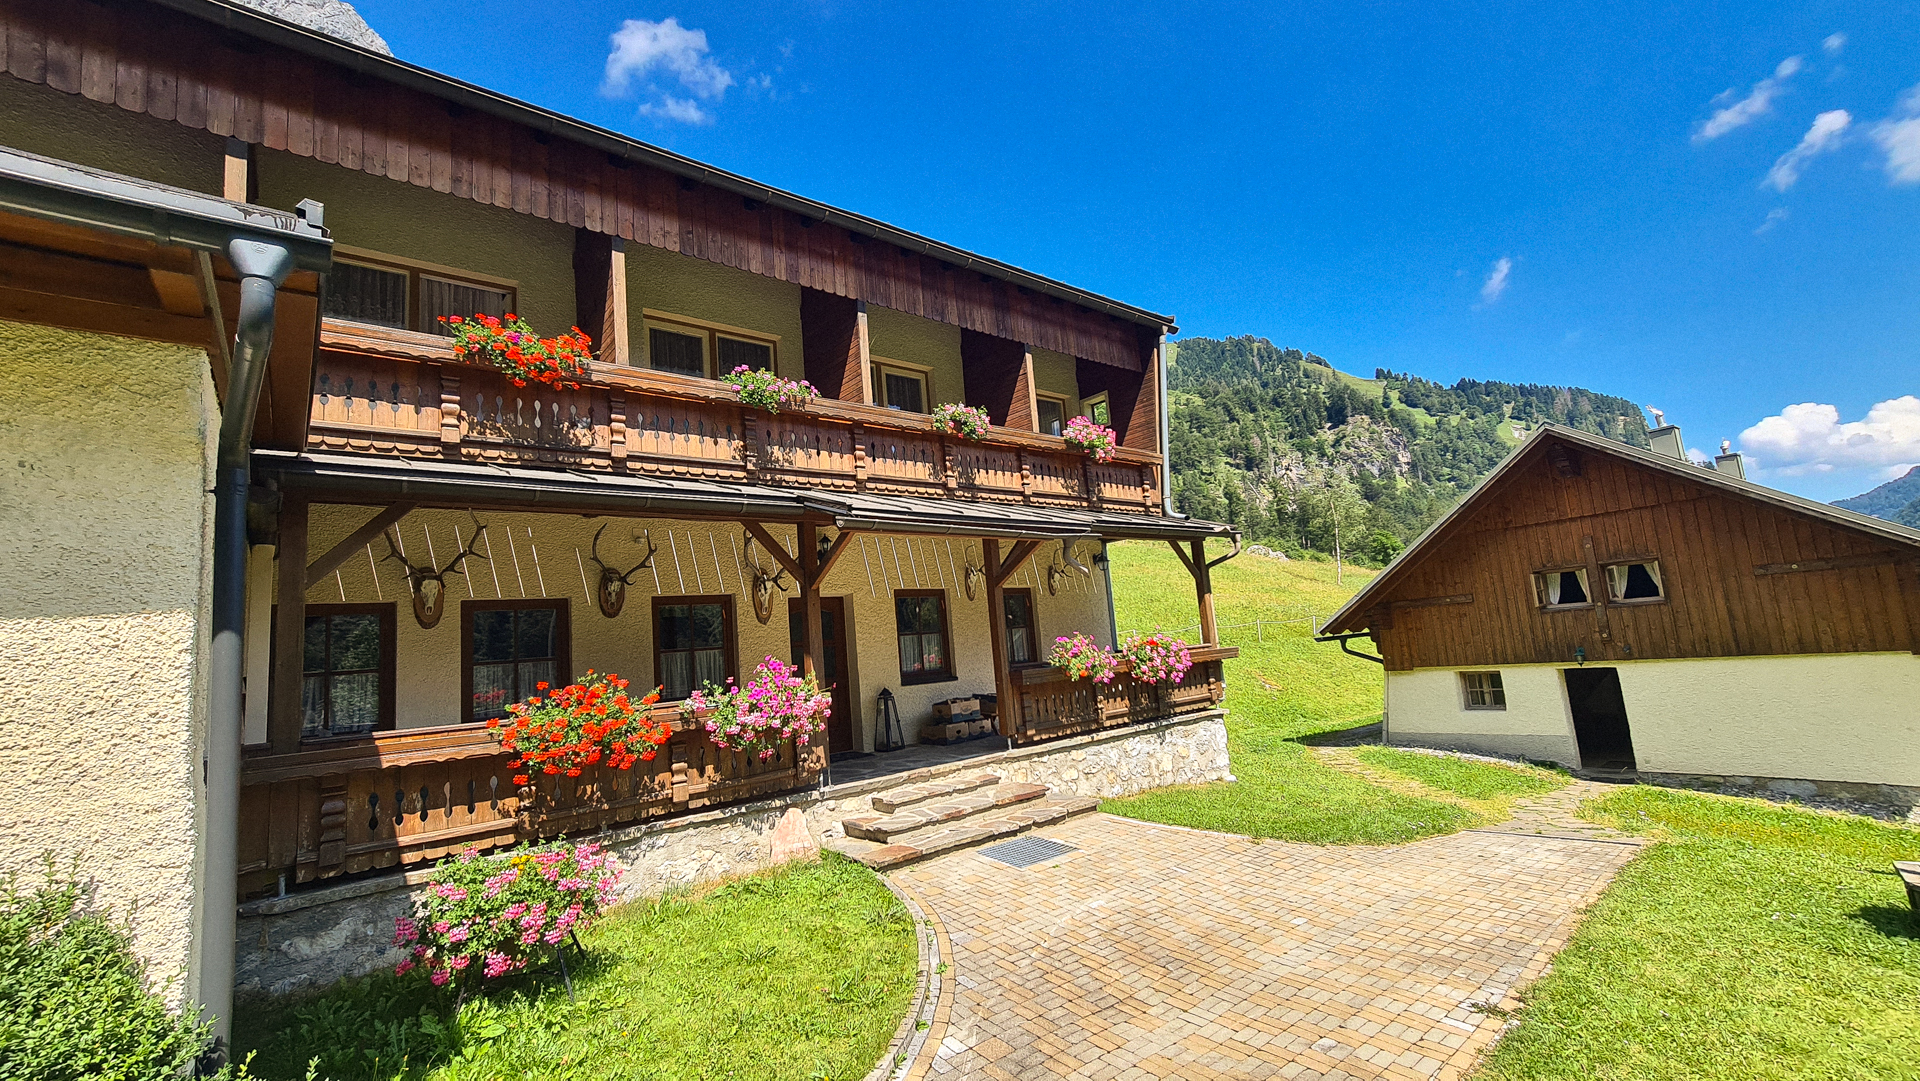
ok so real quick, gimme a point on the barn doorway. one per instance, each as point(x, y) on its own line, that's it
point(1599, 718)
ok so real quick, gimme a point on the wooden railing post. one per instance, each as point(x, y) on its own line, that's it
point(289, 629)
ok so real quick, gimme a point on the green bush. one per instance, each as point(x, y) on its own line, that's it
point(74, 1001)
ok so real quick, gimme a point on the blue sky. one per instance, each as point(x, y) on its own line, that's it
point(1714, 209)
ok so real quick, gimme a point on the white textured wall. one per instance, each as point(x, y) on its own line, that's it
point(104, 517)
point(1426, 708)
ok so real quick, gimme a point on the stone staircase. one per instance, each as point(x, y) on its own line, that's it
point(931, 817)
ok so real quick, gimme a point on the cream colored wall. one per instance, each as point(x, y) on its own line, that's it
point(397, 218)
point(682, 285)
point(44, 121)
point(1835, 717)
point(428, 661)
point(104, 598)
point(895, 335)
point(1057, 374)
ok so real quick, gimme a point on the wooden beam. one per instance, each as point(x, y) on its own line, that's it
point(220, 347)
point(1203, 592)
point(1022, 551)
point(1182, 553)
point(775, 549)
point(1597, 590)
point(284, 710)
point(1433, 602)
point(237, 172)
point(1005, 693)
point(814, 651)
point(835, 551)
point(1871, 559)
point(863, 345)
point(356, 540)
point(618, 344)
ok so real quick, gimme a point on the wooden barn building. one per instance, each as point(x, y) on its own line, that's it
point(1616, 609)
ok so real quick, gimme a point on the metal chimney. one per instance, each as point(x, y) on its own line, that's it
point(1728, 461)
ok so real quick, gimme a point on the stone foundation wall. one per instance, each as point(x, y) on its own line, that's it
point(311, 939)
point(1879, 800)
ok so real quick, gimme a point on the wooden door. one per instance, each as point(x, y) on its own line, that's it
point(833, 667)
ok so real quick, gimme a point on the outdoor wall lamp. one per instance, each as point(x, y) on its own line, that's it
point(1580, 654)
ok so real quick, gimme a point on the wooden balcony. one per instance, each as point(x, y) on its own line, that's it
point(391, 392)
point(1051, 705)
point(400, 798)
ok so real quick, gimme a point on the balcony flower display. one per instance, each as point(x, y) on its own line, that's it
point(1157, 658)
point(1084, 658)
point(969, 422)
point(563, 730)
point(484, 917)
point(510, 345)
point(776, 705)
point(1097, 441)
point(762, 388)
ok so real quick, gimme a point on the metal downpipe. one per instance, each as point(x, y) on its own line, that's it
point(262, 268)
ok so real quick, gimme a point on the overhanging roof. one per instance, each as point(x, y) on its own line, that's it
point(356, 478)
point(1351, 615)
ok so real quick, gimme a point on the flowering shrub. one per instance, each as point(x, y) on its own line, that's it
point(1083, 658)
point(1157, 658)
point(762, 388)
point(1097, 441)
point(510, 345)
point(579, 725)
point(500, 914)
point(969, 422)
point(776, 705)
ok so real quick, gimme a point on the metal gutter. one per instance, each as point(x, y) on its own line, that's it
point(242, 20)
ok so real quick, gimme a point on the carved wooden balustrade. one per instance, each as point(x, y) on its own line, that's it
point(385, 391)
point(401, 798)
point(1051, 705)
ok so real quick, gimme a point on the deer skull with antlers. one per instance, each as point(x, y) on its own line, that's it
point(429, 585)
point(975, 573)
point(765, 581)
point(612, 592)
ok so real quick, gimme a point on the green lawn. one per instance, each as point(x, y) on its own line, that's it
point(1468, 779)
point(801, 974)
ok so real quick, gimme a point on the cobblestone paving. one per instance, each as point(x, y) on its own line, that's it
point(1160, 952)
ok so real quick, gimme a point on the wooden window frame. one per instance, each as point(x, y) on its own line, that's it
point(1066, 414)
point(388, 655)
point(1033, 631)
point(730, 635)
point(1540, 592)
point(707, 330)
point(906, 368)
point(910, 679)
point(414, 268)
point(1467, 692)
point(563, 641)
point(1087, 404)
point(1660, 580)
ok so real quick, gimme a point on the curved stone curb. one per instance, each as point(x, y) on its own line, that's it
point(927, 1014)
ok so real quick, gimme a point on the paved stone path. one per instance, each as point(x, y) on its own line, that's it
point(1160, 952)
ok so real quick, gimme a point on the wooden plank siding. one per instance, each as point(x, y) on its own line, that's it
point(1742, 577)
point(172, 66)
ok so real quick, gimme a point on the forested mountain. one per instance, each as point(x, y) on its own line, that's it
point(1898, 500)
point(1282, 445)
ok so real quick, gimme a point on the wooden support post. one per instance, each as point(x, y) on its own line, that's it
point(998, 571)
point(815, 649)
point(863, 342)
point(617, 347)
point(237, 180)
point(1203, 590)
point(356, 540)
point(284, 716)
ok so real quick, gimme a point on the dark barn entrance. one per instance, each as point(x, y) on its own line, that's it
point(1599, 718)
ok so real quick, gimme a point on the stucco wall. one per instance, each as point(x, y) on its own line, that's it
point(545, 556)
point(1057, 374)
point(105, 521)
point(682, 285)
point(396, 218)
point(43, 121)
point(1837, 717)
point(895, 335)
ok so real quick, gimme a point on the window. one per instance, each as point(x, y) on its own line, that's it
point(1020, 636)
point(692, 644)
point(1635, 582)
point(920, 616)
point(346, 678)
point(367, 287)
point(511, 647)
point(704, 350)
point(1052, 416)
point(901, 386)
point(1562, 589)
point(1483, 690)
point(1097, 410)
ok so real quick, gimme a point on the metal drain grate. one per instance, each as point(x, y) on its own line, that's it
point(1026, 851)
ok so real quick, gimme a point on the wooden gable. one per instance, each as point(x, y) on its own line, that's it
point(1742, 576)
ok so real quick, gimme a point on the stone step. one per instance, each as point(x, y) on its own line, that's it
point(968, 832)
point(891, 801)
point(884, 828)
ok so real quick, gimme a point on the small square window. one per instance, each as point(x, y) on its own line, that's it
point(1635, 582)
point(736, 353)
point(672, 351)
point(1562, 589)
point(366, 294)
point(1483, 690)
point(1053, 415)
point(439, 296)
point(1098, 411)
point(901, 389)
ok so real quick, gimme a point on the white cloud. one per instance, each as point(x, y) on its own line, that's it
point(1834, 43)
point(1899, 138)
point(1810, 438)
point(643, 49)
point(1774, 217)
point(1824, 135)
point(1757, 103)
point(1497, 281)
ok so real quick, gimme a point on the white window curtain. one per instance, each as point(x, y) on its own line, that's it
point(1653, 571)
point(1617, 580)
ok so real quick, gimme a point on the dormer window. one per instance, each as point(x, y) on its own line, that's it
point(1562, 588)
point(1635, 582)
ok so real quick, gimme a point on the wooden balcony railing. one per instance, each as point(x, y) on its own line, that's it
point(384, 391)
point(1051, 705)
point(399, 798)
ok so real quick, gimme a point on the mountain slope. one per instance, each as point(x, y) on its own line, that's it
point(1298, 454)
point(1897, 500)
